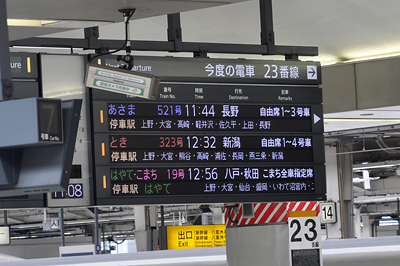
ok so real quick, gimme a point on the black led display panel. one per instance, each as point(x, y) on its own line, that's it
point(210, 143)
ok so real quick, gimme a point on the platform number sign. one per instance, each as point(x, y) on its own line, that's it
point(304, 232)
point(305, 241)
point(328, 212)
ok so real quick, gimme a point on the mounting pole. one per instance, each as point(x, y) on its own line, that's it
point(127, 13)
point(62, 227)
point(267, 26)
point(128, 58)
point(8, 157)
point(96, 229)
point(6, 87)
point(398, 216)
point(175, 31)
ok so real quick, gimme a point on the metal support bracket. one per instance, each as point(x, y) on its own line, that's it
point(101, 50)
point(128, 59)
point(175, 31)
point(267, 26)
point(7, 87)
point(202, 53)
point(292, 57)
point(92, 35)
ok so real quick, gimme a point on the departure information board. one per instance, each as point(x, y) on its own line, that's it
point(210, 143)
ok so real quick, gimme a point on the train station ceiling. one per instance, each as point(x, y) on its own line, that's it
point(343, 30)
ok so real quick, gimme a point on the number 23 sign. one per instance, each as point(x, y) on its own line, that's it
point(304, 233)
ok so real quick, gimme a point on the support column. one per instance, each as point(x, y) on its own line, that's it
point(96, 229)
point(146, 234)
point(153, 217)
point(6, 88)
point(345, 165)
point(162, 231)
point(140, 218)
point(140, 228)
point(204, 218)
point(62, 230)
point(218, 215)
point(357, 222)
point(333, 231)
point(398, 216)
point(367, 226)
point(152, 210)
point(8, 158)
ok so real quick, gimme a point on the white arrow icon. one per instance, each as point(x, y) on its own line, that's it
point(312, 72)
point(316, 119)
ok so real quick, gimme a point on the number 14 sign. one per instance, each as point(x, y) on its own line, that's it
point(328, 212)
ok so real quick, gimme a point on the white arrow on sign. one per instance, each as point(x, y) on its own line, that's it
point(316, 119)
point(312, 72)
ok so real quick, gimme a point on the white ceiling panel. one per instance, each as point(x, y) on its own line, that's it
point(342, 29)
point(16, 33)
point(102, 10)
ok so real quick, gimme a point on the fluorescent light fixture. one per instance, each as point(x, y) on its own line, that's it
point(389, 223)
point(384, 164)
point(70, 24)
point(374, 166)
point(361, 57)
point(329, 63)
point(372, 57)
point(30, 22)
point(371, 166)
point(361, 120)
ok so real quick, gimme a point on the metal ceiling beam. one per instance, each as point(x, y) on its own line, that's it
point(360, 133)
point(89, 213)
point(385, 164)
point(175, 44)
point(164, 46)
point(14, 220)
point(78, 216)
point(376, 199)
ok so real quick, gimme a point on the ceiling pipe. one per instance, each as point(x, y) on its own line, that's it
point(376, 199)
